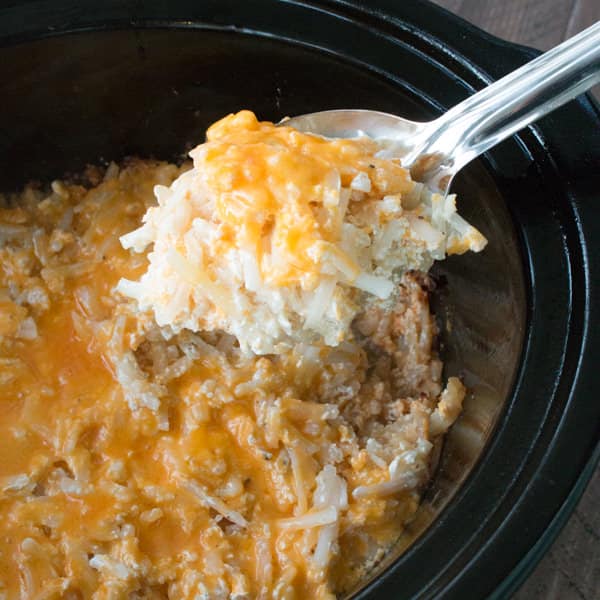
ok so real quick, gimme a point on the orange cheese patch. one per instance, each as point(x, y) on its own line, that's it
point(281, 185)
point(146, 462)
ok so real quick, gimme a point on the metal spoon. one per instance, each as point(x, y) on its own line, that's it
point(437, 150)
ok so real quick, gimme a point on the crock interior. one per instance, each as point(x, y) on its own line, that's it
point(84, 98)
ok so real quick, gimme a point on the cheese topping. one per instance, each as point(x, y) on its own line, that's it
point(275, 236)
point(148, 461)
point(279, 193)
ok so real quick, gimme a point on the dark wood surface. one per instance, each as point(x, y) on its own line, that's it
point(571, 569)
point(537, 23)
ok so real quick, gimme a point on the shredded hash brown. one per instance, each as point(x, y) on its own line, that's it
point(139, 463)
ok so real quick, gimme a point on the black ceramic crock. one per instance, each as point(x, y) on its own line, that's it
point(82, 82)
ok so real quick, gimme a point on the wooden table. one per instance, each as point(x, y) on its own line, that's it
point(571, 569)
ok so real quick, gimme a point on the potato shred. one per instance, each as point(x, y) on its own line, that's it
point(261, 392)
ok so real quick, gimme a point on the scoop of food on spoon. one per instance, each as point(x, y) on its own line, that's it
point(435, 151)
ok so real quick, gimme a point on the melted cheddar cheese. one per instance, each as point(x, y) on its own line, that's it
point(138, 462)
point(284, 185)
point(279, 237)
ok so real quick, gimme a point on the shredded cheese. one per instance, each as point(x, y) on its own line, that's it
point(145, 460)
point(287, 230)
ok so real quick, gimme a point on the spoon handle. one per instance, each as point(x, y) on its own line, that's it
point(515, 101)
